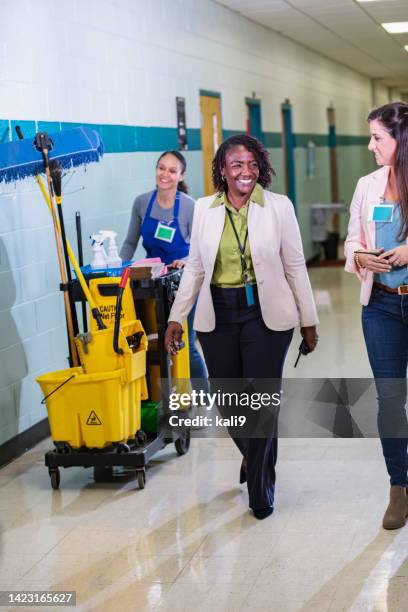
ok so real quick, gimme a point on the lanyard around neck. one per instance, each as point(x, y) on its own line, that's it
point(240, 246)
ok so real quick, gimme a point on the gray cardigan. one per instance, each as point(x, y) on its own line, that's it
point(139, 209)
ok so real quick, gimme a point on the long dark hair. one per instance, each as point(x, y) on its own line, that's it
point(394, 118)
point(251, 144)
point(181, 185)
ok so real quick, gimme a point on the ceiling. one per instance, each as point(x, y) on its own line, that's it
point(346, 31)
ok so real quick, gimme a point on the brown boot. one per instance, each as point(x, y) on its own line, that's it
point(397, 511)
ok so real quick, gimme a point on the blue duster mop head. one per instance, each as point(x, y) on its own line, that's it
point(71, 148)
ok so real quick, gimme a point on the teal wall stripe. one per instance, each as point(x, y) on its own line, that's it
point(346, 141)
point(49, 126)
point(272, 140)
point(228, 133)
point(320, 140)
point(132, 138)
point(27, 127)
point(4, 130)
point(194, 139)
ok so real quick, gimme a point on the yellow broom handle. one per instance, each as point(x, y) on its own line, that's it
point(71, 254)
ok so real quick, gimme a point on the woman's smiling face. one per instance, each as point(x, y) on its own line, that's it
point(241, 171)
point(169, 172)
point(382, 144)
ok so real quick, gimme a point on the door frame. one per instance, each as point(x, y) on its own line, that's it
point(205, 93)
point(252, 102)
point(288, 142)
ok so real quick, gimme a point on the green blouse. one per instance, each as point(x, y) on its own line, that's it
point(227, 268)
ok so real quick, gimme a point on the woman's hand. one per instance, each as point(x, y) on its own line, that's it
point(177, 263)
point(172, 337)
point(374, 263)
point(397, 257)
point(309, 335)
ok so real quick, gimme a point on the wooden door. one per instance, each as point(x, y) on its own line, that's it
point(211, 135)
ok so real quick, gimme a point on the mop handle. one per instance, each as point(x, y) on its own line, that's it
point(42, 143)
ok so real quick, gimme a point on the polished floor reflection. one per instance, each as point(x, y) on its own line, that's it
point(187, 541)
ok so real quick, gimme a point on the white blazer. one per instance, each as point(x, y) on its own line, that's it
point(284, 290)
point(361, 232)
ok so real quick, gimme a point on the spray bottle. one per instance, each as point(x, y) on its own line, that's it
point(99, 255)
point(112, 260)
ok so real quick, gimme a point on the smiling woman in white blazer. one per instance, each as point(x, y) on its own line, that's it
point(284, 290)
point(246, 262)
point(379, 223)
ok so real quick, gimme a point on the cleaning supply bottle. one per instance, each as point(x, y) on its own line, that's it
point(112, 259)
point(99, 256)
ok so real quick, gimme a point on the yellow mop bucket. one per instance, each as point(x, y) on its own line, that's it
point(97, 355)
point(91, 410)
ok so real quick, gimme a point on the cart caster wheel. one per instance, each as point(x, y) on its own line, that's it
point(55, 478)
point(182, 444)
point(123, 448)
point(101, 473)
point(141, 438)
point(63, 448)
point(141, 479)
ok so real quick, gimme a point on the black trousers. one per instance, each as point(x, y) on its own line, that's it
point(241, 346)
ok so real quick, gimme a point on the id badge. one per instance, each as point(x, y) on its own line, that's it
point(164, 232)
point(381, 213)
point(249, 293)
point(249, 290)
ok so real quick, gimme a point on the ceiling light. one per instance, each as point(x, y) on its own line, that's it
point(396, 27)
point(406, 47)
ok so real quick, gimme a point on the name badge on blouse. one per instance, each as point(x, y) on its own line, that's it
point(249, 291)
point(164, 232)
point(381, 213)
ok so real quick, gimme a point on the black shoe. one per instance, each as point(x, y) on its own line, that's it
point(262, 514)
point(242, 473)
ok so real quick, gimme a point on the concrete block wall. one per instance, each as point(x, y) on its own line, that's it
point(117, 63)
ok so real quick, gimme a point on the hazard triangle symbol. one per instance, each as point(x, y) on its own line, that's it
point(93, 419)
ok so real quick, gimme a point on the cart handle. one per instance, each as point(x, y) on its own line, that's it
point(56, 388)
point(122, 285)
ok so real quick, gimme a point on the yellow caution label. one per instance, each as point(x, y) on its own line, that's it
point(93, 419)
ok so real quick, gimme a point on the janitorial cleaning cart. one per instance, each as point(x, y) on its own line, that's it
point(110, 407)
point(116, 403)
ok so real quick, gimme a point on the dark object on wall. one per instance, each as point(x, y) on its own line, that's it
point(181, 123)
point(331, 245)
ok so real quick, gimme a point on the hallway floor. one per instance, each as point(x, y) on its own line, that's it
point(188, 541)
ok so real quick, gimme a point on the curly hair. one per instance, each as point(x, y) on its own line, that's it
point(394, 118)
point(251, 144)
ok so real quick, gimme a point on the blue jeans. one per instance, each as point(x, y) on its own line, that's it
point(385, 327)
point(198, 368)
